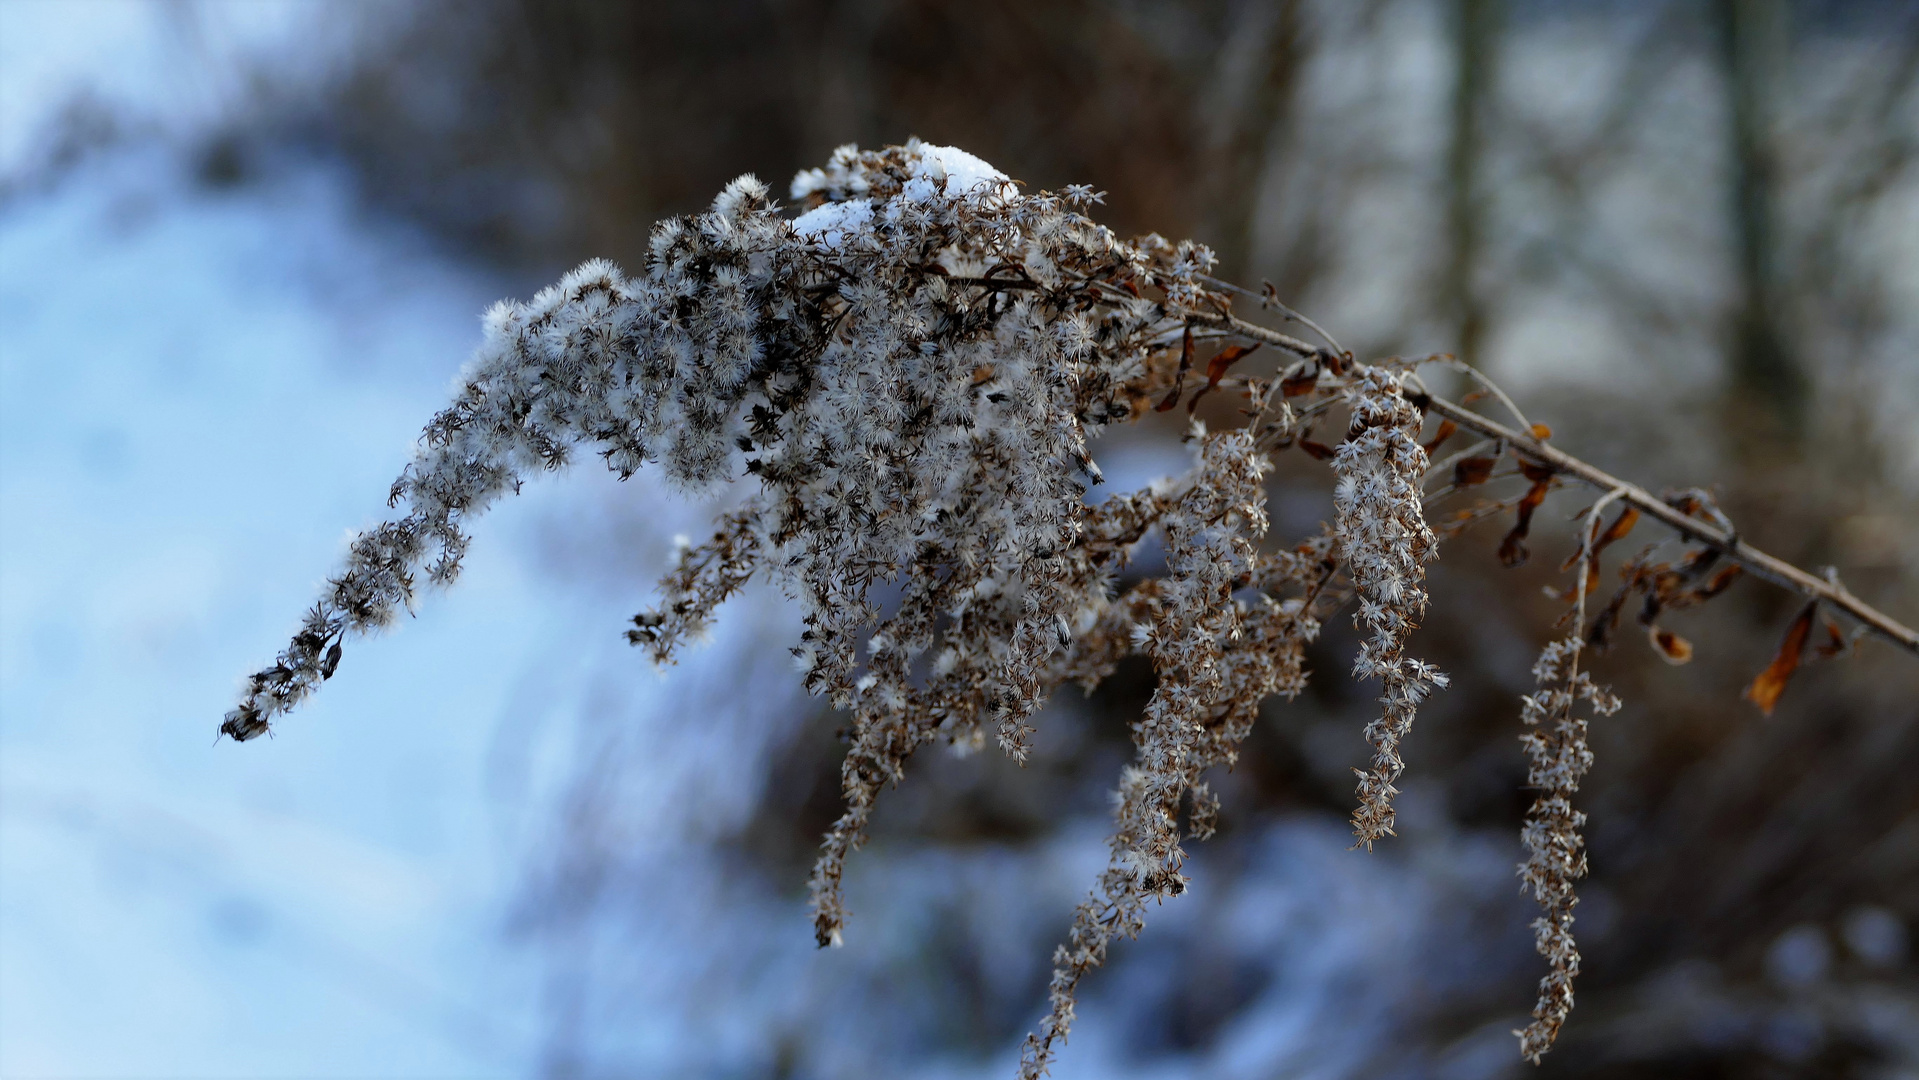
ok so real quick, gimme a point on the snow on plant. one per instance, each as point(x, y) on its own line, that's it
point(1385, 542)
point(911, 370)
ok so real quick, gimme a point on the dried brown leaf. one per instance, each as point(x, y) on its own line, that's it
point(1179, 377)
point(1671, 647)
point(1473, 470)
point(1719, 583)
point(1299, 385)
point(1618, 530)
point(1835, 640)
point(1600, 637)
point(1216, 369)
point(1770, 683)
point(1620, 526)
point(1512, 550)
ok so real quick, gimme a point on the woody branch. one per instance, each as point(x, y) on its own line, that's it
point(1770, 567)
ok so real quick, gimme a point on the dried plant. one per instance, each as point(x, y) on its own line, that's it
point(911, 369)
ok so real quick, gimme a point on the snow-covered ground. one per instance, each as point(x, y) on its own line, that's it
point(199, 394)
point(159, 68)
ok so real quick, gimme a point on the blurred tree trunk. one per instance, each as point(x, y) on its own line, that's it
point(1476, 27)
point(1254, 128)
point(1765, 381)
point(840, 66)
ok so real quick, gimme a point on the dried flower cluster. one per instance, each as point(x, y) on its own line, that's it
point(1385, 543)
point(1557, 757)
point(911, 370)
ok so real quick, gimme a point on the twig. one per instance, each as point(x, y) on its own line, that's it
point(1272, 337)
point(1770, 567)
point(1588, 536)
point(1490, 386)
point(1773, 569)
point(1273, 303)
point(1445, 468)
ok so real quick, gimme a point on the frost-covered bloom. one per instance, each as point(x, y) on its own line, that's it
point(909, 370)
point(1217, 659)
point(1383, 536)
point(909, 373)
point(1557, 759)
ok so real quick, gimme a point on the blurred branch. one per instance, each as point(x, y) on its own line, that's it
point(1477, 27)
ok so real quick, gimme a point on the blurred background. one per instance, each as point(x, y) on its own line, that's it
point(243, 248)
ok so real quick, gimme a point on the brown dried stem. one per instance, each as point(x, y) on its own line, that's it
point(1727, 543)
point(1724, 541)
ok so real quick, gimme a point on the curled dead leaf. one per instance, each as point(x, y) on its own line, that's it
point(1179, 377)
point(1216, 369)
point(1671, 647)
point(1294, 386)
point(1600, 637)
point(1770, 683)
point(1512, 550)
point(1472, 470)
point(1620, 526)
point(1835, 640)
point(1719, 583)
point(1446, 429)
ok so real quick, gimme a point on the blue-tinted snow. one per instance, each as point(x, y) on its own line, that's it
point(200, 394)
